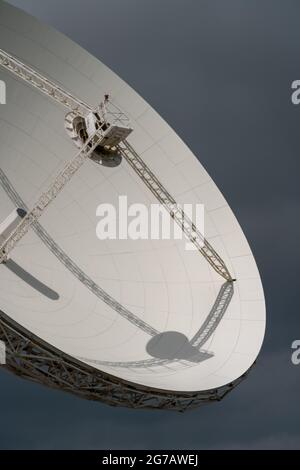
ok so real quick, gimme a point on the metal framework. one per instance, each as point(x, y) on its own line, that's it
point(175, 211)
point(29, 75)
point(31, 358)
point(43, 84)
point(46, 198)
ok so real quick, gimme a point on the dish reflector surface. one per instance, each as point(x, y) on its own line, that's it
point(187, 329)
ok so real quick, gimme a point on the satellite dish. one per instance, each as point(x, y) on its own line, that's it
point(136, 323)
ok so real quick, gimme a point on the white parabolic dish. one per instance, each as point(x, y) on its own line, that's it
point(173, 291)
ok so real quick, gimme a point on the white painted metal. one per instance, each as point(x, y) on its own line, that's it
point(10, 224)
point(114, 136)
point(114, 297)
point(13, 237)
point(44, 85)
point(175, 211)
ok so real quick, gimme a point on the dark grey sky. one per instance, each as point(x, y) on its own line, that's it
point(220, 73)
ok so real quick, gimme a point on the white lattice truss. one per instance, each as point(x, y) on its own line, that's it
point(76, 105)
point(32, 358)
